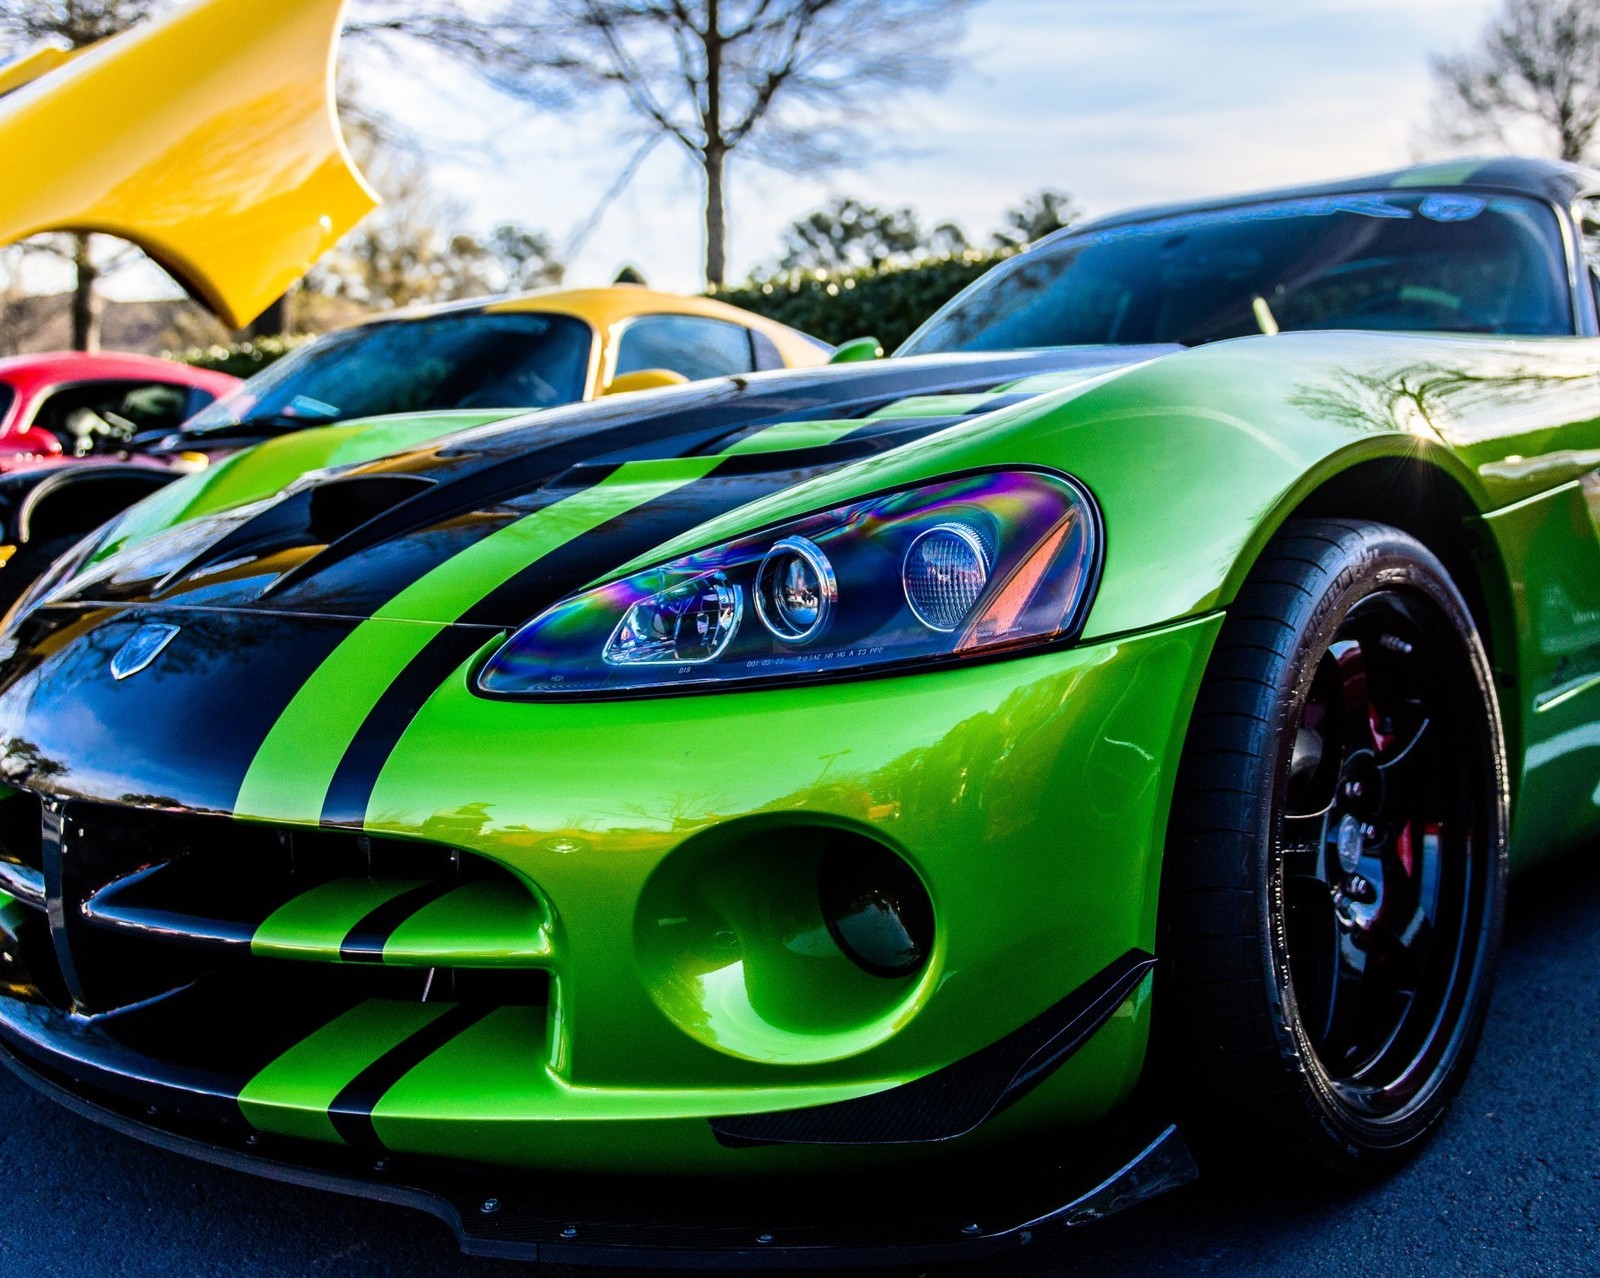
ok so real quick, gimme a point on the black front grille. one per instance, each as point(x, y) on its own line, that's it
point(143, 904)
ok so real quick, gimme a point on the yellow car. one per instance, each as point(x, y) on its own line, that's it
point(399, 382)
point(536, 350)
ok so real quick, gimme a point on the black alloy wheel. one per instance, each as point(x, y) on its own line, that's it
point(1335, 870)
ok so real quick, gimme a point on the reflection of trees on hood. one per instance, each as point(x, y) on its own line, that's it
point(1400, 395)
point(154, 802)
point(23, 761)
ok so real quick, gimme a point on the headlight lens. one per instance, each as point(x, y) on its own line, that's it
point(944, 575)
point(685, 624)
point(943, 572)
point(796, 591)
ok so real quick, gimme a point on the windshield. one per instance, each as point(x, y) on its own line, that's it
point(463, 360)
point(1430, 261)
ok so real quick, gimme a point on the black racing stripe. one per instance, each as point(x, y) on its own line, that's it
point(349, 571)
point(567, 569)
point(709, 415)
point(357, 773)
point(364, 942)
point(556, 575)
point(506, 461)
point(351, 1110)
point(182, 733)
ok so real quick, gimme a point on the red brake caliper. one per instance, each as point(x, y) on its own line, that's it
point(1382, 741)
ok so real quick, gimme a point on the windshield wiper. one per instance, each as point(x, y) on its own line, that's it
point(1265, 319)
point(266, 423)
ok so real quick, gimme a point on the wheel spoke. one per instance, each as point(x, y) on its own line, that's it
point(1402, 946)
point(1318, 748)
point(1411, 912)
point(1345, 1004)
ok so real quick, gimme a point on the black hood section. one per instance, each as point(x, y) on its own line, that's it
point(182, 733)
point(347, 544)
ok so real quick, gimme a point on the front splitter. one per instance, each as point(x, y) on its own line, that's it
point(779, 1223)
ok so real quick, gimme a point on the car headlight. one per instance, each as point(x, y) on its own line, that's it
point(958, 570)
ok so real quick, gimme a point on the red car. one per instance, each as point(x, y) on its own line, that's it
point(57, 408)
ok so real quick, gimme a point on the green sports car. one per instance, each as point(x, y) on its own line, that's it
point(858, 813)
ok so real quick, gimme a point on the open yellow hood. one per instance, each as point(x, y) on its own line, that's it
point(30, 66)
point(208, 137)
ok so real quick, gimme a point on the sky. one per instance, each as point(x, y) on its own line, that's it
point(1119, 102)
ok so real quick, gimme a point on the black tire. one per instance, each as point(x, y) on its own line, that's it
point(1324, 975)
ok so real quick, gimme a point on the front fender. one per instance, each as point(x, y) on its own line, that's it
point(1195, 459)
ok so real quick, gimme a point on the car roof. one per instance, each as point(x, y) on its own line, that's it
point(1553, 180)
point(56, 366)
point(599, 307)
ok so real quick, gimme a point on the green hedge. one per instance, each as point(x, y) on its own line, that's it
point(243, 359)
point(887, 303)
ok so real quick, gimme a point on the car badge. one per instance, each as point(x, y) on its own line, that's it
point(147, 643)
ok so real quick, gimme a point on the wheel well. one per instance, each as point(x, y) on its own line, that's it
point(71, 507)
point(1428, 503)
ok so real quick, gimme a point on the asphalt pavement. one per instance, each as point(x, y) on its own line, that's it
point(1510, 1187)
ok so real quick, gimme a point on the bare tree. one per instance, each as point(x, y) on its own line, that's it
point(75, 23)
point(787, 83)
point(399, 255)
point(403, 255)
point(1536, 70)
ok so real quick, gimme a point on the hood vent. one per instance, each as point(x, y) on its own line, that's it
point(340, 506)
point(305, 521)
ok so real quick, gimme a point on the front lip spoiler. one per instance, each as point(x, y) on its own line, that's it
point(711, 1224)
point(961, 1097)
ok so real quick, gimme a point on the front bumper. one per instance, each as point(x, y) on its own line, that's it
point(699, 1225)
point(636, 979)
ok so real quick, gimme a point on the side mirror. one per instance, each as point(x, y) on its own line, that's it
point(35, 440)
point(645, 379)
point(858, 351)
